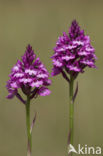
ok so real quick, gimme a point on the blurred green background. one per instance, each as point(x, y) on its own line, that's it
point(39, 23)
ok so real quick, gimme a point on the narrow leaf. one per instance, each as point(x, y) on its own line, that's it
point(75, 94)
point(33, 122)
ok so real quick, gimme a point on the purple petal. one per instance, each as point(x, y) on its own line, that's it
point(43, 91)
point(57, 63)
point(55, 71)
point(36, 84)
point(11, 94)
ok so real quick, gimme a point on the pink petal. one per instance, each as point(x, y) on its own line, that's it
point(43, 91)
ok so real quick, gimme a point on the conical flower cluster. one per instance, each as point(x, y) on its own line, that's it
point(73, 52)
point(30, 75)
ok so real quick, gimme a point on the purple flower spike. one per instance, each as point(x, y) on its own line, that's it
point(73, 52)
point(30, 75)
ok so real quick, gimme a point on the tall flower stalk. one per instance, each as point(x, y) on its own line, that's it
point(31, 76)
point(29, 135)
point(72, 54)
point(71, 110)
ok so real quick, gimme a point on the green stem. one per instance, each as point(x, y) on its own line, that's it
point(71, 111)
point(29, 147)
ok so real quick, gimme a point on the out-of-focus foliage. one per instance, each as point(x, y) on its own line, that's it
point(40, 23)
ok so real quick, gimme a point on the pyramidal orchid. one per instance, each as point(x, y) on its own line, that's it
point(31, 76)
point(72, 54)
